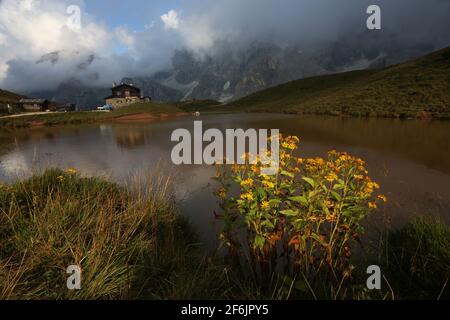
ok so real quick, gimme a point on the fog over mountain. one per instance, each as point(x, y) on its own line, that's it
point(220, 49)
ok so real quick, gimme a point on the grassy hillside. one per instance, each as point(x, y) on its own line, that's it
point(7, 97)
point(196, 105)
point(419, 88)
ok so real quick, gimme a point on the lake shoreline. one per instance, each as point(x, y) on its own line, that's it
point(127, 114)
point(138, 112)
point(152, 117)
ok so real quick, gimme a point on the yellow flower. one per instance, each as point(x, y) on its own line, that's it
point(60, 178)
point(290, 143)
point(268, 184)
point(329, 203)
point(254, 168)
point(332, 153)
point(222, 193)
point(265, 205)
point(372, 205)
point(247, 196)
point(247, 182)
point(382, 197)
point(71, 171)
point(331, 177)
point(284, 156)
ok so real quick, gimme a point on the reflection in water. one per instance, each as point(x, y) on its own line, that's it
point(130, 137)
point(410, 159)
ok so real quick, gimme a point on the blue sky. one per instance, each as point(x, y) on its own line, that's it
point(134, 14)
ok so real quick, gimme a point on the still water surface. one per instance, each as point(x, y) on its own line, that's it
point(409, 159)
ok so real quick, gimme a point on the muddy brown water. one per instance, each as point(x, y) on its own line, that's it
point(409, 159)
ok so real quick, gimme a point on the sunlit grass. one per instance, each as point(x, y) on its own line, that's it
point(130, 242)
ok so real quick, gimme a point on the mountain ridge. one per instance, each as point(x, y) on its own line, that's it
point(418, 88)
point(229, 71)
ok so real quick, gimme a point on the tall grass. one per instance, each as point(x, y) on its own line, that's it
point(417, 260)
point(130, 242)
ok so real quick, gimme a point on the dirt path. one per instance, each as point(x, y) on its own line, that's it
point(26, 114)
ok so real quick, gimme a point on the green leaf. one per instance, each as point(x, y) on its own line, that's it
point(338, 186)
point(289, 212)
point(274, 202)
point(310, 181)
point(259, 241)
point(299, 199)
point(286, 173)
point(312, 194)
point(268, 223)
point(318, 239)
point(325, 208)
point(260, 192)
point(336, 195)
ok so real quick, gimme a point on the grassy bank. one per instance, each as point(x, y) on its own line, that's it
point(148, 110)
point(61, 118)
point(131, 243)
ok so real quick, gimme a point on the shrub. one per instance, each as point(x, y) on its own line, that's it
point(301, 221)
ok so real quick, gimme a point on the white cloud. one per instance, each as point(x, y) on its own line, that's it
point(195, 31)
point(31, 30)
point(198, 33)
point(28, 5)
point(2, 39)
point(171, 20)
point(89, 54)
point(126, 37)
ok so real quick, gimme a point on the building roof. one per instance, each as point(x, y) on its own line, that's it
point(37, 101)
point(116, 97)
point(124, 85)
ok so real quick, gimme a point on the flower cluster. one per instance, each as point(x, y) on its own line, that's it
point(312, 209)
